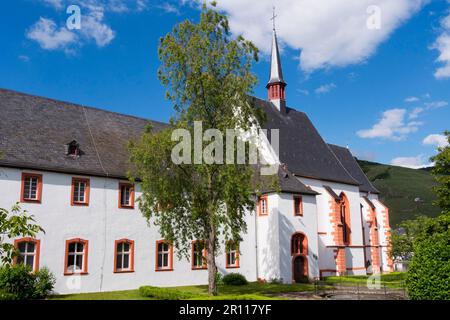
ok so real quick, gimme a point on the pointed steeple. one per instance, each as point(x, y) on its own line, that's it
point(276, 72)
point(276, 85)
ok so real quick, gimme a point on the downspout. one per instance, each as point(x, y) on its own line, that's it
point(256, 244)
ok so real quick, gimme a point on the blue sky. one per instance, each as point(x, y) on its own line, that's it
point(384, 92)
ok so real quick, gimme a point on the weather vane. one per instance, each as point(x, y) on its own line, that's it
point(273, 17)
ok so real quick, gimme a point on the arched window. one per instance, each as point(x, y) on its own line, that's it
point(345, 219)
point(28, 252)
point(124, 256)
point(76, 257)
point(299, 244)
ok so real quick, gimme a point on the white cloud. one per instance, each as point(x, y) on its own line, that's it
point(438, 140)
point(411, 99)
point(57, 4)
point(325, 88)
point(328, 32)
point(24, 58)
point(442, 44)
point(391, 126)
point(414, 114)
point(168, 8)
point(417, 162)
point(93, 27)
point(49, 36)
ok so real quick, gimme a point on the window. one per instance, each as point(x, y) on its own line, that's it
point(298, 206)
point(28, 252)
point(263, 209)
point(198, 255)
point(345, 219)
point(232, 255)
point(126, 196)
point(73, 149)
point(164, 256)
point(299, 244)
point(31, 187)
point(80, 192)
point(76, 256)
point(124, 256)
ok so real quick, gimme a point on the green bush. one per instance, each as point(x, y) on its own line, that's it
point(164, 293)
point(234, 279)
point(20, 283)
point(428, 277)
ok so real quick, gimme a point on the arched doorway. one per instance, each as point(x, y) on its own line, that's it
point(300, 269)
point(299, 253)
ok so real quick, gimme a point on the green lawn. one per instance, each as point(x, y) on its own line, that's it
point(390, 280)
point(251, 291)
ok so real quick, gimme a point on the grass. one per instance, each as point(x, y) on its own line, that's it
point(391, 280)
point(400, 187)
point(251, 291)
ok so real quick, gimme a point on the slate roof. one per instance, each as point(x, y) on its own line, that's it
point(349, 162)
point(302, 148)
point(34, 132)
point(288, 183)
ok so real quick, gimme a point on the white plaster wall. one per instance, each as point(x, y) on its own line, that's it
point(102, 222)
point(275, 232)
point(354, 253)
point(384, 241)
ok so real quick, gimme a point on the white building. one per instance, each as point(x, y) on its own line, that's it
point(67, 165)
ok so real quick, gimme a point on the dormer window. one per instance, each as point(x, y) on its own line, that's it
point(73, 149)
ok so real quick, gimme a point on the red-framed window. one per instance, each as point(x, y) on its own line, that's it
point(126, 196)
point(298, 206)
point(164, 256)
point(76, 256)
point(80, 192)
point(31, 190)
point(123, 256)
point(263, 206)
point(28, 251)
point(232, 255)
point(198, 256)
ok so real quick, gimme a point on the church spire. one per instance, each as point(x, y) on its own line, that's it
point(276, 84)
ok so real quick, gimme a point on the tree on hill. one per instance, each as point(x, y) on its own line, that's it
point(208, 78)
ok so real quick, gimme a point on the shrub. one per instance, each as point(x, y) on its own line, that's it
point(428, 277)
point(164, 293)
point(20, 283)
point(234, 279)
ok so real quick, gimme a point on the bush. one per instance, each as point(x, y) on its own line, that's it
point(20, 283)
point(164, 293)
point(428, 277)
point(234, 279)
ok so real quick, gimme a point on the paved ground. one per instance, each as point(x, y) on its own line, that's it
point(349, 293)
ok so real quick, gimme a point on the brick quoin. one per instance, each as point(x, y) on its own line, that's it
point(374, 241)
point(338, 237)
point(387, 234)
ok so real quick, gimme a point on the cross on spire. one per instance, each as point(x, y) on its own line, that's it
point(273, 18)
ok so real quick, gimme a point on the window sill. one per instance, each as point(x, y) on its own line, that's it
point(76, 273)
point(199, 268)
point(80, 204)
point(30, 201)
point(123, 271)
point(158, 270)
point(126, 207)
point(232, 267)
